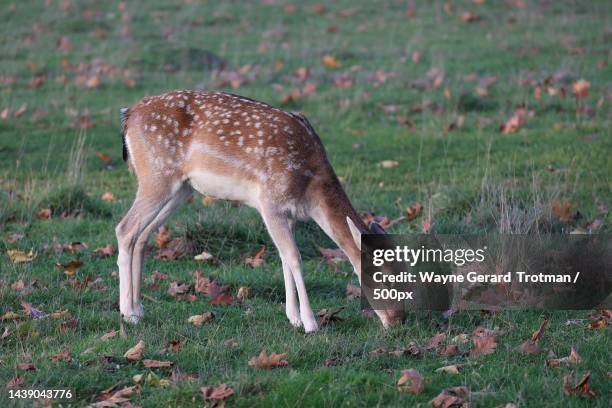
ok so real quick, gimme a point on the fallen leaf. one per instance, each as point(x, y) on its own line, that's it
point(573, 358)
point(256, 260)
point(108, 399)
point(104, 252)
point(563, 210)
point(205, 257)
point(162, 237)
point(109, 197)
point(434, 341)
point(61, 314)
point(514, 123)
point(135, 353)
point(413, 211)
point(410, 381)
point(109, 335)
point(21, 110)
point(537, 335)
point(451, 397)
point(104, 157)
point(216, 392)
point(32, 311)
point(5, 333)
point(26, 367)
point(469, 17)
point(530, 347)
point(268, 362)
point(352, 291)
point(580, 89)
point(329, 315)
point(198, 320)
point(450, 369)
point(63, 356)
point(176, 289)
point(331, 62)
point(71, 267)
point(157, 364)
point(388, 164)
point(243, 293)
point(449, 350)
point(14, 382)
point(10, 315)
point(483, 345)
point(222, 299)
point(17, 256)
point(581, 389)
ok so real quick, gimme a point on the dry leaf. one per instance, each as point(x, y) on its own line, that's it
point(573, 358)
point(469, 17)
point(535, 337)
point(61, 314)
point(157, 363)
point(388, 164)
point(176, 289)
point(14, 382)
point(483, 345)
point(104, 157)
point(198, 320)
point(329, 315)
point(104, 252)
point(267, 362)
point(10, 315)
point(26, 367)
point(450, 369)
point(256, 260)
point(17, 256)
point(563, 210)
point(135, 353)
point(109, 335)
point(162, 237)
point(434, 341)
point(331, 62)
point(413, 211)
point(205, 257)
point(243, 293)
point(352, 291)
point(32, 311)
point(581, 388)
point(108, 399)
point(71, 267)
point(63, 356)
point(44, 214)
point(216, 392)
point(222, 299)
point(109, 197)
point(410, 381)
point(580, 89)
point(451, 397)
point(530, 347)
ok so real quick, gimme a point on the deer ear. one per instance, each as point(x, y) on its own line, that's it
point(376, 228)
point(354, 232)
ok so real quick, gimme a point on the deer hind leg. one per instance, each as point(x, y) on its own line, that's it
point(280, 228)
point(148, 211)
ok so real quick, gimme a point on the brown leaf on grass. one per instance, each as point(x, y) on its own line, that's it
point(118, 398)
point(104, 252)
point(103, 156)
point(14, 382)
point(450, 369)
point(537, 335)
point(63, 356)
point(563, 210)
point(573, 358)
point(22, 109)
point(135, 353)
point(71, 267)
point(515, 122)
point(530, 347)
point(222, 299)
point(109, 335)
point(71, 247)
point(17, 256)
point(268, 362)
point(5, 333)
point(335, 254)
point(469, 17)
point(483, 345)
point(26, 367)
point(176, 288)
point(331, 62)
point(352, 291)
point(388, 164)
point(10, 315)
point(82, 122)
point(216, 392)
point(108, 196)
point(413, 211)
point(157, 276)
point(581, 389)
point(202, 284)
point(162, 237)
point(12, 238)
point(256, 260)
point(411, 382)
point(580, 89)
point(206, 257)
point(199, 320)
point(382, 220)
point(434, 341)
point(451, 397)
point(157, 363)
point(61, 314)
point(329, 315)
point(243, 293)
point(449, 350)
point(32, 311)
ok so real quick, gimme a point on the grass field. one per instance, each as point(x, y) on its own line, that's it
point(413, 83)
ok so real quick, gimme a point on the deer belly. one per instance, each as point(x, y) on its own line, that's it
point(224, 187)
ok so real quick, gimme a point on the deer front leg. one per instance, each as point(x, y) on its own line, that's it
point(281, 232)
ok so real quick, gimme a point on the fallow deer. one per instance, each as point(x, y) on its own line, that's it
point(234, 148)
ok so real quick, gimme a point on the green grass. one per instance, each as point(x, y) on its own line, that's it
point(470, 180)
